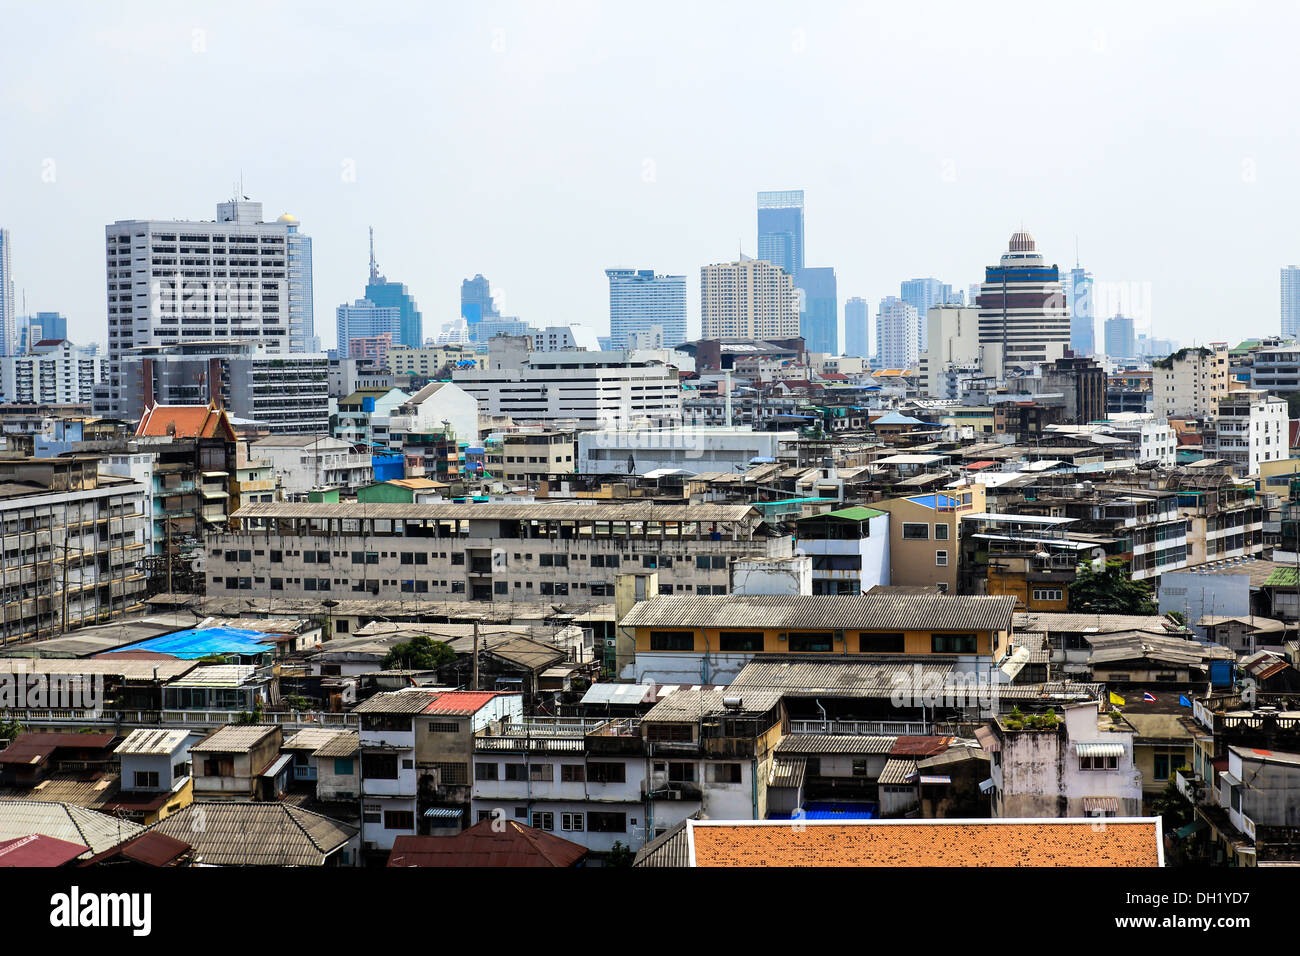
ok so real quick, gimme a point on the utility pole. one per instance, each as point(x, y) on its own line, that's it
point(167, 544)
point(474, 670)
point(63, 629)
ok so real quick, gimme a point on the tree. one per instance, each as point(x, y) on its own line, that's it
point(620, 854)
point(1111, 591)
point(419, 654)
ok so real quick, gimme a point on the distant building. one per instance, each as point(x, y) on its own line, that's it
point(386, 294)
point(8, 315)
point(1190, 382)
point(51, 372)
point(748, 299)
point(1290, 299)
point(924, 294)
point(639, 299)
point(1078, 300)
point(819, 314)
point(1120, 340)
point(1022, 306)
point(780, 229)
point(897, 338)
point(857, 327)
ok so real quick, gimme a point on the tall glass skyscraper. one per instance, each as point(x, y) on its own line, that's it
point(476, 302)
point(819, 311)
point(857, 332)
point(395, 296)
point(780, 229)
point(639, 299)
point(1290, 300)
point(1078, 299)
point(302, 312)
point(1121, 343)
point(920, 294)
point(8, 315)
point(364, 319)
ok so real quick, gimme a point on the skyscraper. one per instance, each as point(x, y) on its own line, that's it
point(302, 315)
point(1022, 306)
point(857, 327)
point(8, 314)
point(394, 295)
point(172, 282)
point(639, 299)
point(1120, 340)
point(747, 299)
point(819, 313)
point(364, 319)
point(780, 228)
point(1290, 297)
point(920, 294)
point(1078, 300)
point(476, 303)
point(896, 334)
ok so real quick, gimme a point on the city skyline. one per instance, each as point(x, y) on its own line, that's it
point(642, 190)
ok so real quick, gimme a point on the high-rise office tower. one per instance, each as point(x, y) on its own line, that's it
point(302, 314)
point(1121, 343)
point(639, 299)
point(476, 302)
point(8, 313)
point(1079, 303)
point(1022, 306)
point(1290, 299)
point(365, 320)
point(172, 282)
point(780, 228)
point(395, 295)
point(921, 294)
point(857, 330)
point(819, 312)
point(896, 334)
point(747, 299)
point(49, 327)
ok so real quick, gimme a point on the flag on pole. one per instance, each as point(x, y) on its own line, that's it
point(1116, 700)
point(1148, 697)
point(1182, 699)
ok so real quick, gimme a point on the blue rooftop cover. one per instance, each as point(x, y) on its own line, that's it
point(935, 501)
point(200, 642)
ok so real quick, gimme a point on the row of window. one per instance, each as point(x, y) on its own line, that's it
point(602, 772)
point(752, 642)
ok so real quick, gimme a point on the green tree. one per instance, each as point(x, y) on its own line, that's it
point(620, 854)
point(419, 654)
point(1111, 591)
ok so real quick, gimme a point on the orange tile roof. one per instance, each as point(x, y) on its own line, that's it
point(185, 421)
point(1126, 842)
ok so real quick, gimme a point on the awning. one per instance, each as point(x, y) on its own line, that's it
point(277, 766)
point(216, 474)
point(1229, 779)
point(1098, 749)
point(986, 785)
point(935, 780)
point(442, 813)
point(1101, 804)
point(1194, 827)
point(214, 494)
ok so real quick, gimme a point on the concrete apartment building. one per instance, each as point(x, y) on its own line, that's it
point(1249, 429)
point(429, 362)
point(52, 373)
point(1190, 382)
point(484, 552)
point(923, 530)
point(305, 463)
point(694, 449)
point(748, 299)
point(531, 455)
point(586, 389)
point(172, 282)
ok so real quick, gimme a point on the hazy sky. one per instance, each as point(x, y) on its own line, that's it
point(539, 143)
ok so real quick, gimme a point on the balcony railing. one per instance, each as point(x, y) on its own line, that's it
point(882, 728)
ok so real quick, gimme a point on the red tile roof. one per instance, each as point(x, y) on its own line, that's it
point(39, 850)
point(919, 746)
point(463, 702)
point(185, 421)
point(482, 845)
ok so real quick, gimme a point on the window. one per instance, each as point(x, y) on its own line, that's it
point(891, 643)
point(915, 530)
point(399, 820)
point(1098, 763)
point(724, 773)
point(681, 772)
point(941, 559)
point(607, 822)
point(1049, 594)
point(815, 641)
point(953, 643)
point(485, 771)
point(543, 772)
point(544, 821)
point(741, 641)
point(146, 779)
point(572, 773)
point(380, 766)
point(672, 641)
point(607, 773)
point(940, 532)
point(343, 766)
point(373, 814)
point(859, 768)
point(516, 771)
point(571, 821)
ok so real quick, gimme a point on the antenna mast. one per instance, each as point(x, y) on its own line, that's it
point(374, 269)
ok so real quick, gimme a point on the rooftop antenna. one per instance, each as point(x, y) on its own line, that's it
point(1076, 250)
point(374, 269)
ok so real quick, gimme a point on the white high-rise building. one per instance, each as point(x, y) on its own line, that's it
point(1022, 306)
point(171, 282)
point(747, 299)
point(50, 374)
point(639, 299)
point(1250, 428)
point(954, 352)
point(1190, 382)
point(897, 334)
point(1290, 300)
point(8, 312)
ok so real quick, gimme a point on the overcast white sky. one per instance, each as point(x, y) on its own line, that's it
point(539, 142)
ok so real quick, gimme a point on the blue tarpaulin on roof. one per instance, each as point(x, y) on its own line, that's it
point(200, 642)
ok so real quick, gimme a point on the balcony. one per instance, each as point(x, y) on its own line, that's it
point(883, 728)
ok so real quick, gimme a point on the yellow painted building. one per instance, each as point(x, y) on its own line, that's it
point(923, 532)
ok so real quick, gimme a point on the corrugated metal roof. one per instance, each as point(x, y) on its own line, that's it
point(788, 772)
point(1086, 748)
point(114, 666)
point(834, 744)
point(610, 692)
point(874, 612)
point(265, 834)
point(20, 818)
point(547, 510)
point(396, 702)
point(234, 738)
point(669, 849)
point(692, 703)
point(150, 741)
point(343, 745)
point(853, 676)
point(898, 771)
